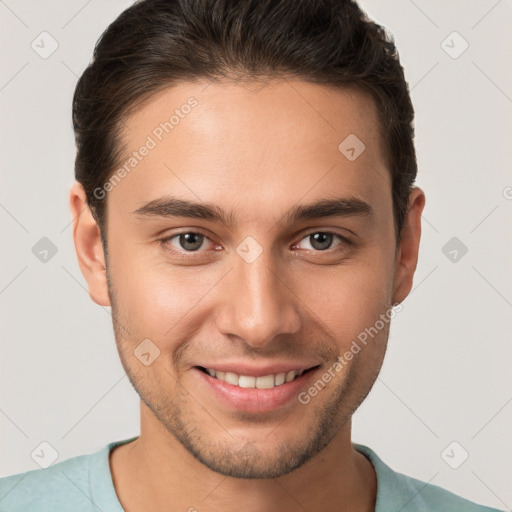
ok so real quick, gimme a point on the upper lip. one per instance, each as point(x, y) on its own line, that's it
point(261, 370)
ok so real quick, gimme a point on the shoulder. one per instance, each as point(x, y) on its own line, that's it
point(401, 492)
point(42, 489)
point(78, 483)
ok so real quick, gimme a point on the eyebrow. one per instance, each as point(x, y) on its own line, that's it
point(168, 206)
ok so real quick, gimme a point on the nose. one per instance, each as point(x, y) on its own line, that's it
point(258, 304)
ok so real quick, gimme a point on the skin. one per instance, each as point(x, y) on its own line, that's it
point(256, 151)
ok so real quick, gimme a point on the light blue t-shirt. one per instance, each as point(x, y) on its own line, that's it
point(84, 483)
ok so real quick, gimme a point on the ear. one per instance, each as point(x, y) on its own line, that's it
point(89, 249)
point(407, 254)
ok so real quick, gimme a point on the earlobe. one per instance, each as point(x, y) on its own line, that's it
point(88, 246)
point(407, 254)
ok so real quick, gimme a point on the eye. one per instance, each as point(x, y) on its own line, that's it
point(189, 241)
point(322, 241)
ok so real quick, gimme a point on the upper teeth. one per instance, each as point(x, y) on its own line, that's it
point(246, 381)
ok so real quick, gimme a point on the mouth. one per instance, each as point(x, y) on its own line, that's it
point(253, 394)
point(264, 382)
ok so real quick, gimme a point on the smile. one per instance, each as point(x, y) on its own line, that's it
point(247, 381)
point(264, 390)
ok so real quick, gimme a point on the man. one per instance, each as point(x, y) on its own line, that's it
point(245, 204)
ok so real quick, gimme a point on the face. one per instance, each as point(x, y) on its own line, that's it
point(245, 244)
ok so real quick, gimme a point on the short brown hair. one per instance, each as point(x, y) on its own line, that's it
point(156, 43)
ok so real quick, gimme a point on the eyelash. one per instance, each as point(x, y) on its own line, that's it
point(165, 242)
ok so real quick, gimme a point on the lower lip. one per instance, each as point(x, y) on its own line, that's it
point(254, 400)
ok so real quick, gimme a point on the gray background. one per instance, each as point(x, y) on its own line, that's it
point(447, 376)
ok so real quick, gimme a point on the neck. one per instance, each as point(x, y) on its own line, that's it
point(155, 472)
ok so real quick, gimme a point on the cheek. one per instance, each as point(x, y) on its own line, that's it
point(155, 297)
point(348, 299)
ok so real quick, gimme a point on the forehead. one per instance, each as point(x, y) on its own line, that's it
point(253, 146)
